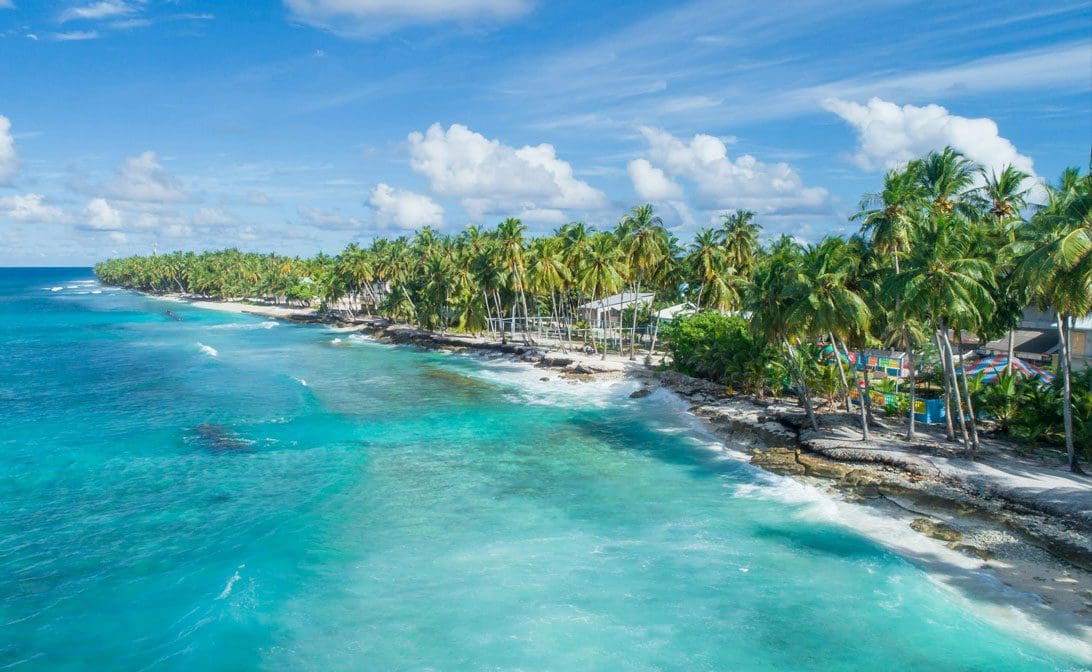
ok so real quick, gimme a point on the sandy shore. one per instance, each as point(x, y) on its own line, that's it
point(1014, 531)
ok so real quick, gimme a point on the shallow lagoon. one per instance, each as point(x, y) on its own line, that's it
point(225, 492)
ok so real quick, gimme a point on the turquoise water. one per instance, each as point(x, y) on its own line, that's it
point(223, 492)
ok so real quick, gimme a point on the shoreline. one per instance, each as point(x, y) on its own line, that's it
point(1023, 528)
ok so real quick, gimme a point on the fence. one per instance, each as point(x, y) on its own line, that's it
point(544, 329)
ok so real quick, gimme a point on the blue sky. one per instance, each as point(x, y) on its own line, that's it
point(300, 125)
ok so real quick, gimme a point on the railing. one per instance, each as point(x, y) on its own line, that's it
point(546, 330)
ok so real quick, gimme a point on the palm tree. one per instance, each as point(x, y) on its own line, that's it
point(771, 298)
point(891, 215)
point(548, 273)
point(948, 287)
point(510, 238)
point(645, 244)
point(604, 270)
point(1057, 267)
point(826, 302)
point(739, 235)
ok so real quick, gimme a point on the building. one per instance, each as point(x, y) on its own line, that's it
point(608, 311)
point(1037, 340)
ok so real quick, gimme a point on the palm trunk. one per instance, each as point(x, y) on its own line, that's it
point(867, 393)
point(913, 388)
point(970, 405)
point(841, 371)
point(633, 334)
point(803, 392)
point(1067, 399)
point(526, 315)
point(1012, 351)
point(947, 386)
point(955, 392)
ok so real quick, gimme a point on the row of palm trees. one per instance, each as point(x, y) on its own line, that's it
point(945, 249)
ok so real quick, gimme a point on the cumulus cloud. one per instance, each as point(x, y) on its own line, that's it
point(889, 135)
point(9, 161)
point(107, 9)
point(404, 209)
point(650, 183)
point(324, 219)
point(143, 179)
point(720, 181)
point(364, 18)
point(102, 216)
point(30, 208)
point(491, 177)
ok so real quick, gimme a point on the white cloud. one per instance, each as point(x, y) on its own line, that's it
point(889, 135)
point(723, 182)
point(650, 183)
point(490, 176)
point(107, 9)
point(76, 36)
point(102, 216)
point(7, 4)
point(9, 161)
point(404, 209)
point(213, 216)
point(324, 219)
point(118, 237)
point(30, 208)
point(142, 178)
point(372, 17)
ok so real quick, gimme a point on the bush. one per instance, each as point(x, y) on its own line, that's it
point(721, 348)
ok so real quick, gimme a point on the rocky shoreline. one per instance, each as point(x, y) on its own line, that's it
point(1029, 524)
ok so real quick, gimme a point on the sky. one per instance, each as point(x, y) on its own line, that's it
point(298, 126)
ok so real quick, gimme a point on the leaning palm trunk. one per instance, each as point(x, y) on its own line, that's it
point(1067, 399)
point(913, 388)
point(950, 428)
point(970, 405)
point(841, 370)
point(803, 385)
point(956, 397)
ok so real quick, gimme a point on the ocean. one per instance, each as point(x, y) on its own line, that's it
point(182, 489)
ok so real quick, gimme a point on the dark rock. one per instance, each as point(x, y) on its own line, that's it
point(640, 394)
point(936, 530)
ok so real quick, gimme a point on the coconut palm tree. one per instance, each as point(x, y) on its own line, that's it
point(828, 304)
point(510, 239)
point(739, 235)
point(645, 245)
point(603, 271)
point(890, 215)
point(945, 285)
point(1057, 267)
point(771, 298)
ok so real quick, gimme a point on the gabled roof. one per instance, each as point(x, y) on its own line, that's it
point(618, 301)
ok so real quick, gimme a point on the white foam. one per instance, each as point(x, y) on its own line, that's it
point(96, 291)
point(246, 326)
point(208, 350)
point(301, 381)
point(55, 289)
point(230, 584)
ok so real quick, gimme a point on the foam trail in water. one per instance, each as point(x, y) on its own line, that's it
point(301, 381)
point(230, 584)
point(208, 350)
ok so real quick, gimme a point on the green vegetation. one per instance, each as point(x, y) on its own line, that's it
point(943, 251)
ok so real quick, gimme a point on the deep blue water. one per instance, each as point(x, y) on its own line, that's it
point(223, 492)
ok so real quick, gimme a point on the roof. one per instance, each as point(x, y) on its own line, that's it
point(1027, 343)
point(618, 301)
point(672, 311)
point(990, 367)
